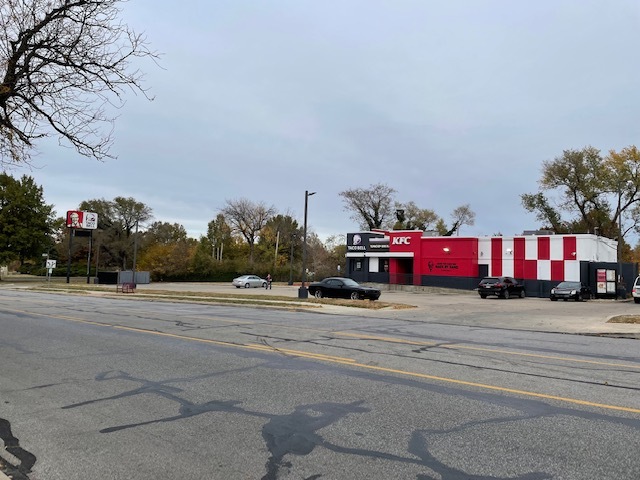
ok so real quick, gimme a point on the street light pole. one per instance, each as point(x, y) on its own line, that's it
point(302, 291)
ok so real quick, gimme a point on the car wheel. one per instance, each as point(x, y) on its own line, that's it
point(237, 286)
point(354, 296)
point(246, 285)
point(482, 295)
point(579, 297)
point(318, 293)
point(523, 294)
point(636, 299)
point(554, 299)
point(264, 284)
point(506, 295)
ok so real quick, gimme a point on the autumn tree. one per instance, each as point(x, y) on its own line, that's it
point(247, 219)
point(219, 237)
point(26, 222)
point(64, 66)
point(371, 207)
point(582, 192)
point(169, 260)
point(283, 231)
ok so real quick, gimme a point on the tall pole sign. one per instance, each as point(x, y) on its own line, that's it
point(79, 221)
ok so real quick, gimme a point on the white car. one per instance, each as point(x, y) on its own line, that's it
point(249, 281)
point(635, 290)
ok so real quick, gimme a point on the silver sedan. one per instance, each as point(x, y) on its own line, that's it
point(249, 281)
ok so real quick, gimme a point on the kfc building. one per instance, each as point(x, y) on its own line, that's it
point(409, 257)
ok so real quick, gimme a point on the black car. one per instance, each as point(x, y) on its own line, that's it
point(339, 287)
point(504, 287)
point(575, 290)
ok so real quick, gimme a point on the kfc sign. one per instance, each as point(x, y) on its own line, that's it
point(82, 220)
point(401, 241)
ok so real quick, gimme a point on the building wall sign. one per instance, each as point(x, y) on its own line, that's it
point(367, 242)
point(438, 267)
point(401, 241)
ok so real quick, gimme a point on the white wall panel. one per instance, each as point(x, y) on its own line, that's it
point(531, 248)
point(507, 266)
point(572, 270)
point(556, 249)
point(544, 269)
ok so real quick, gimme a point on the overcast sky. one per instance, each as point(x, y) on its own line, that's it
point(448, 102)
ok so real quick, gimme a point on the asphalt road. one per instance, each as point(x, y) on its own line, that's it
point(117, 389)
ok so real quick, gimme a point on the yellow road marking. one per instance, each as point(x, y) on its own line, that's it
point(352, 363)
point(483, 349)
point(250, 346)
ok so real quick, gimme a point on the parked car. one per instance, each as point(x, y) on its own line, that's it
point(635, 290)
point(249, 281)
point(340, 287)
point(575, 290)
point(504, 287)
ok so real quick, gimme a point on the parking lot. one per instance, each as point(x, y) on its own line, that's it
point(467, 308)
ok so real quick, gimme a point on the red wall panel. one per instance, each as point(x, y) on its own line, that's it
point(496, 256)
point(557, 270)
point(544, 248)
point(530, 270)
point(569, 248)
point(518, 257)
point(449, 256)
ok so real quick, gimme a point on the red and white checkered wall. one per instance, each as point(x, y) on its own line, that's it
point(549, 257)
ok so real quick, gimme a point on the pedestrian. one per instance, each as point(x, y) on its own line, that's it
point(268, 286)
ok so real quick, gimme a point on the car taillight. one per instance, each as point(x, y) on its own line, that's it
point(499, 285)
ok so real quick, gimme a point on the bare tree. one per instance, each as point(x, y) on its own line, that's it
point(372, 207)
point(64, 68)
point(463, 215)
point(248, 219)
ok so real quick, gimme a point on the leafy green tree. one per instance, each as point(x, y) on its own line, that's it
point(372, 207)
point(27, 223)
point(61, 64)
point(412, 217)
point(118, 221)
point(164, 232)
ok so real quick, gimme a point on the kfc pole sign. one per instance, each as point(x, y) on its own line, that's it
point(79, 219)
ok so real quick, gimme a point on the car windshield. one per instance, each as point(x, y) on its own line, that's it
point(350, 283)
point(568, 285)
point(490, 280)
